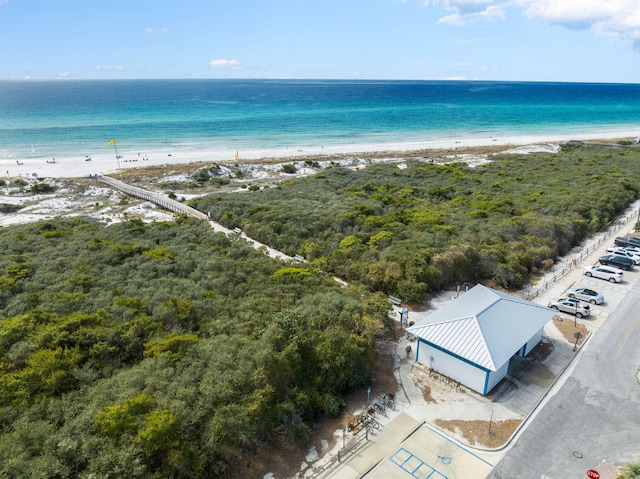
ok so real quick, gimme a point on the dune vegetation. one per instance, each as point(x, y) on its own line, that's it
point(411, 230)
point(166, 350)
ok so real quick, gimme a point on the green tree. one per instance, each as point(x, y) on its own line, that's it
point(173, 346)
point(158, 432)
point(48, 371)
point(126, 418)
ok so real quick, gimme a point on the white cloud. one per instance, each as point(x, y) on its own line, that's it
point(490, 13)
point(110, 67)
point(63, 75)
point(461, 7)
point(224, 63)
point(616, 19)
point(156, 31)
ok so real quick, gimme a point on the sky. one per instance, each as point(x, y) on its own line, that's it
point(503, 40)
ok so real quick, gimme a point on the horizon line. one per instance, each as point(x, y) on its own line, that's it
point(291, 79)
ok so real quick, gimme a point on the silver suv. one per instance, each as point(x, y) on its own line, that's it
point(570, 305)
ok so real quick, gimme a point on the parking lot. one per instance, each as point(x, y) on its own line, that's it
point(409, 445)
point(613, 293)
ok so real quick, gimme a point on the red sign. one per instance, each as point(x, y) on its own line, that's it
point(593, 474)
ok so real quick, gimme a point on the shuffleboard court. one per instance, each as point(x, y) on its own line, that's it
point(422, 452)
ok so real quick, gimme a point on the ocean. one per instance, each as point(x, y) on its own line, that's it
point(47, 119)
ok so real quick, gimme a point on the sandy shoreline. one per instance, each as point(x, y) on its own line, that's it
point(106, 163)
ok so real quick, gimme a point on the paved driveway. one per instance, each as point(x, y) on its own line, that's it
point(592, 420)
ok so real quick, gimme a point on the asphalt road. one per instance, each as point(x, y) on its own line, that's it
point(593, 420)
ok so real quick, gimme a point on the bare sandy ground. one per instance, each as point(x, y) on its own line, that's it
point(76, 191)
point(105, 162)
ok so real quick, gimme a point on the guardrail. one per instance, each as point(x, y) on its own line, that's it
point(160, 200)
point(351, 446)
point(359, 428)
point(578, 258)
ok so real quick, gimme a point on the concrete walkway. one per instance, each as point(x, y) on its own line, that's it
point(412, 393)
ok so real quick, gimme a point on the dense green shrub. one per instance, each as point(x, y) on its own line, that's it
point(9, 208)
point(165, 349)
point(41, 187)
point(410, 231)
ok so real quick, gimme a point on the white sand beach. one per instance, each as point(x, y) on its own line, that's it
point(106, 163)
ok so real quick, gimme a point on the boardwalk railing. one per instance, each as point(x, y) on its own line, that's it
point(160, 200)
point(177, 207)
point(564, 269)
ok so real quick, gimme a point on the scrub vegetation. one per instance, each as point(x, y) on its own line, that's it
point(411, 231)
point(165, 350)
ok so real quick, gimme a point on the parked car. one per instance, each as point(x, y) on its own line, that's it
point(586, 294)
point(634, 241)
point(612, 275)
point(570, 305)
point(622, 241)
point(627, 254)
point(616, 261)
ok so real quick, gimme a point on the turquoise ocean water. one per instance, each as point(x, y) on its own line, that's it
point(42, 119)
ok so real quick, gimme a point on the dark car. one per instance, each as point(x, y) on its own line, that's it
point(617, 262)
point(622, 241)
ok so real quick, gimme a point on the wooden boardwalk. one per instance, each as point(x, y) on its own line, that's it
point(177, 207)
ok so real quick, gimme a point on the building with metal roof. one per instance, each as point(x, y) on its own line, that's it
point(473, 338)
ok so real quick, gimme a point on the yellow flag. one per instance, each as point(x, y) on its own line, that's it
point(112, 142)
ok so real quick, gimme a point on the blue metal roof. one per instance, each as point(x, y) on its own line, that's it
point(484, 326)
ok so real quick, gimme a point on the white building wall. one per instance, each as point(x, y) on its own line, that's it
point(471, 376)
point(496, 376)
point(533, 342)
point(452, 367)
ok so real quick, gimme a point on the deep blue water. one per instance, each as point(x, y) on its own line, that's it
point(40, 119)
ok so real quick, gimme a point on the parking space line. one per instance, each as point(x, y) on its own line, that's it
point(415, 466)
